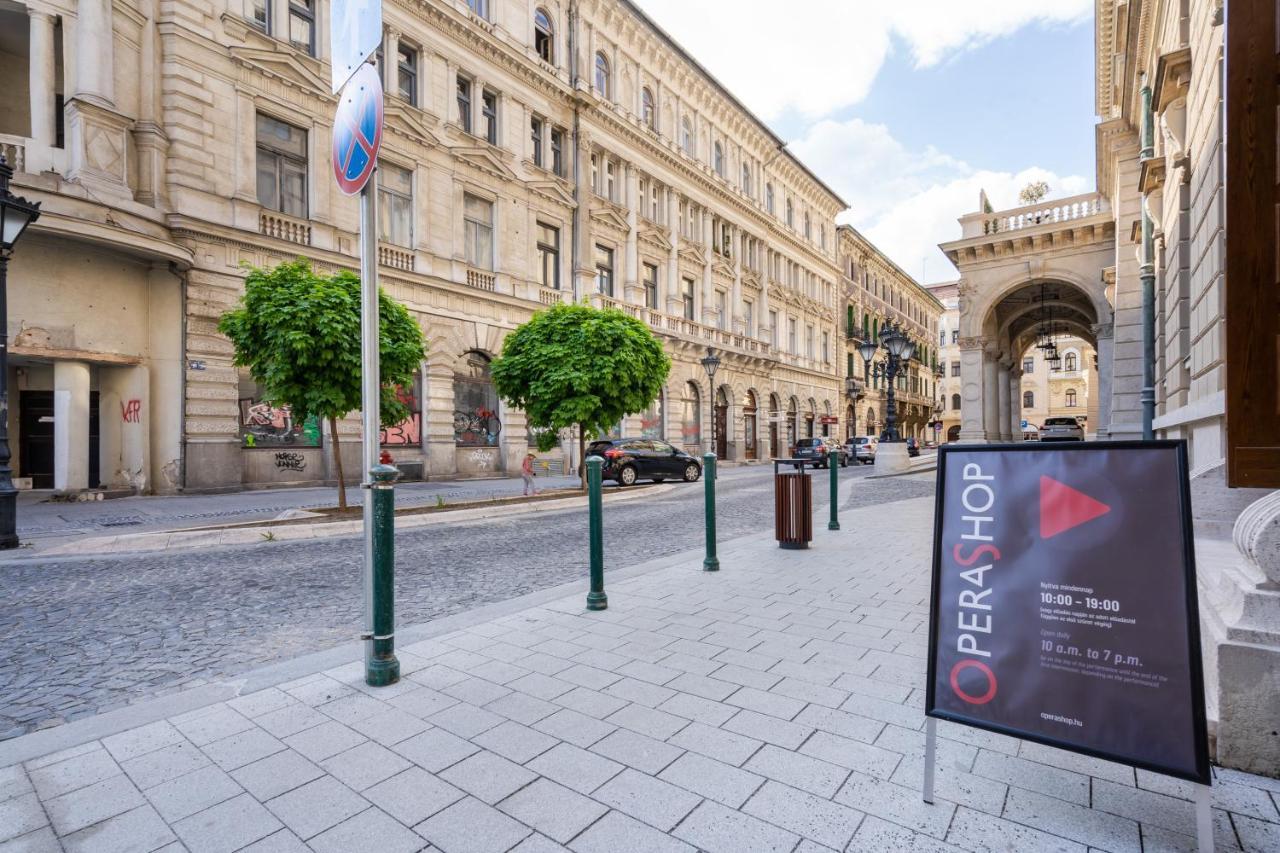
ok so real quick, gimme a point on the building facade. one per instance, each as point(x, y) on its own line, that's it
point(533, 153)
point(949, 396)
point(876, 290)
point(1065, 390)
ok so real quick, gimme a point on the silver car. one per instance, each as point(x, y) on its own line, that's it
point(864, 448)
point(1061, 429)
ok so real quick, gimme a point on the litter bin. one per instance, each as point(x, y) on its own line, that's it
point(792, 503)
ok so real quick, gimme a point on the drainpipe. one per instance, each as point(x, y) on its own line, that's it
point(574, 251)
point(1147, 276)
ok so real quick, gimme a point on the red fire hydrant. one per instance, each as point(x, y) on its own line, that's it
point(385, 458)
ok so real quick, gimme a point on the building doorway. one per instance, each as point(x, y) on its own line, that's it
point(35, 438)
point(749, 427)
point(722, 424)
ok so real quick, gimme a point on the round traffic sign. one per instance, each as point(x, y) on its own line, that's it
point(357, 130)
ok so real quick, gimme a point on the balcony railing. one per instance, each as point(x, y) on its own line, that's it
point(283, 227)
point(395, 257)
point(1035, 215)
point(481, 280)
point(14, 149)
point(550, 296)
point(670, 324)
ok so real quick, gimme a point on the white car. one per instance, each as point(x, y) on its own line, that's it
point(1061, 429)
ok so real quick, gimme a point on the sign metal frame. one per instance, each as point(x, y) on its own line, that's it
point(350, 23)
point(1191, 613)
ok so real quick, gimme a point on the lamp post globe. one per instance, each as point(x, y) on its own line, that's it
point(16, 213)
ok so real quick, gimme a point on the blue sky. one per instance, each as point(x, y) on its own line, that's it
point(908, 109)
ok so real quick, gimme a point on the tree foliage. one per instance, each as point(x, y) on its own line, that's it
point(1033, 192)
point(298, 333)
point(574, 365)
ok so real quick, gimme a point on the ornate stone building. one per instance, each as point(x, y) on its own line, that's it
point(875, 289)
point(532, 153)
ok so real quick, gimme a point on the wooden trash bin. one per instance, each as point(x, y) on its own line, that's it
point(792, 504)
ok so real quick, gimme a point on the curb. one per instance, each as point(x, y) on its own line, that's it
point(212, 538)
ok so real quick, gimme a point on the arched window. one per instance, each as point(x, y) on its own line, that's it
point(691, 425)
point(1072, 362)
point(791, 214)
point(822, 236)
point(768, 197)
point(719, 159)
point(652, 419)
point(1028, 399)
point(746, 179)
point(808, 227)
point(955, 402)
point(543, 36)
point(475, 403)
point(686, 135)
point(1071, 397)
point(647, 110)
point(602, 75)
point(479, 7)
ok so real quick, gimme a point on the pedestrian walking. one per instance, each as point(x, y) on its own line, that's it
point(526, 474)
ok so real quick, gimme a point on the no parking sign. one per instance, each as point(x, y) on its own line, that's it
point(357, 130)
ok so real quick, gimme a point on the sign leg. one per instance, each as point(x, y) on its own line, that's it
point(930, 756)
point(1204, 818)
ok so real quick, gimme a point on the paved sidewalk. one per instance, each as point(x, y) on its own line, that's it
point(773, 706)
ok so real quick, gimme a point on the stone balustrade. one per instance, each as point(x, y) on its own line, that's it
point(481, 280)
point(14, 150)
point(1034, 215)
point(395, 257)
point(681, 327)
point(283, 227)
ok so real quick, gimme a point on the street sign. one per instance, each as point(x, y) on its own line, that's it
point(1024, 423)
point(1063, 607)
point(355, 31)
point(357, 130)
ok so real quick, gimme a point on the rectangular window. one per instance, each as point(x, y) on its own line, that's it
point(610, 181)
point(749, 317)
point(258, 13)
point(477, 227)
point(549, 254)
point(535, 139)
point(722, 311)
point(479, 7)
point(826, 347)
point(464, 103)
point(282, 167)
point(651, 286)
point(1029, 365)
point(557, 151)
point(655, 211)
point(793, 345)
point(407, 79)
point(808, 341)
point(955, 336)
point(595, 173)
point(604, 270)
point(687, 296)
point(773, 328)
point(302, 25)
point(955, 368)
point(395, 205)
point(489, 108)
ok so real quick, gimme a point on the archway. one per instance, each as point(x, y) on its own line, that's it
point(810, 416)
point(953, 434)
point(871, 421)
point(721, 415)
point(691, 420)
point(850, 422)
point(793, 406)
point(774, 417)
point(749, 426)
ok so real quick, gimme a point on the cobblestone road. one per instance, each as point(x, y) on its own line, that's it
point(81, 637)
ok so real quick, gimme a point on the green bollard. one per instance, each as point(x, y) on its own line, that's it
point(596, 599)
point(383, 668)
point(712, 562)
point(833, 463)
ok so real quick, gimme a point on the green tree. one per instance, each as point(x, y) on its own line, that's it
point(298, 332)
point(574, 365)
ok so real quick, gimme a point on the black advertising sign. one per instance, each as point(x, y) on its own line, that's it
point(1064, 600)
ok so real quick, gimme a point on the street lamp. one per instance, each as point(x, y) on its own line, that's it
point(15, 215)
point(711, 363)
point(899, 349)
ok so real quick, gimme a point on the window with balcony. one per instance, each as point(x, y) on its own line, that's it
point(808, 342)
point(650, 286)
point(1071, 362)
point(549, 255)
point(610, 180)
point(718, 160)
point(477, 231)
point(648, 110)
point(686, 135)
point(282, 167)
point(768, 198)
point(258, 14)
point(536, 129)
point(395, 205)
point(746, 179)
point(557, 151)
point(407, 73)
point(722, 311)
point(773, 328)
point(808, 227)
point(302, 25)
point(543, 36)
point(604, 270)
point(826, 347)
point(479, 7)
point(687, 297)
point(749, 317)
point(464, 103)
point(791, 214)
point(793, 342)
point(489, 110)
point(602, 76)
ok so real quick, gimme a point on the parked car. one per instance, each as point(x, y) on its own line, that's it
point(627, 460)
point(913, 447)
point(1061, 429)
point(864, 448)
point(819, 450)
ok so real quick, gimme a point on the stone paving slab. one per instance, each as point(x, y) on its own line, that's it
point(772, 706)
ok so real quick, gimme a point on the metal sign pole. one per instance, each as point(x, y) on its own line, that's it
point(930, 756)
point(1204, 818)
point(369, 391)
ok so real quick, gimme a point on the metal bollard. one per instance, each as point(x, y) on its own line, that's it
point(833, 463)
point(383, 668)
point(596, 599)
point(711, 563)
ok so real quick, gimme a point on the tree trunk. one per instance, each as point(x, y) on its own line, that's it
point(337, 462)
point(582, 455)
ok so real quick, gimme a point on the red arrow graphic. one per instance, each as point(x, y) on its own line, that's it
point(1062, 507)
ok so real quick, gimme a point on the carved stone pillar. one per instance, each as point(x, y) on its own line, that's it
point(972, 414)
point(42, 77)
point(1003, 393)
point(631, 289)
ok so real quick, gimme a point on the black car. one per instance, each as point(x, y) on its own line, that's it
point(913, 447)
point(819, 449)
point(629, 459)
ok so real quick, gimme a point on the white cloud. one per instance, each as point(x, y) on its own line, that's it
point(906, 202)
point(819, 57)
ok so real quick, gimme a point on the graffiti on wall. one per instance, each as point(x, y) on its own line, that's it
point(476, 427)
point(265, 425)
point(481, 459)
point(289, 460)
point(407, 433)
point(131, 411)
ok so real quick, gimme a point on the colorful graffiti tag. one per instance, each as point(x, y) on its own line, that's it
point(407, 433)
point(265, 425)
point(477, 428)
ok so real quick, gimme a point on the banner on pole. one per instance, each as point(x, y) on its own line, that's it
point(355, 32)
point(1063, 607)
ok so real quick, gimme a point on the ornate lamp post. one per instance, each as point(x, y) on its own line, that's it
point(15, 215)
point(853, 391)
point(711, 363)
point(898, 351)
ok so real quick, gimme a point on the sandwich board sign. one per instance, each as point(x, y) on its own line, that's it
point(355, 32)
point(1063, 605)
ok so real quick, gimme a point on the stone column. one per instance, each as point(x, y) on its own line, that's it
point(972, 427)
point(763, 329)
point(70, 426)
point(990, 396)
point(1015, 403)
point(391, 61)
point(42, 78)
point(1104, 334)
point(280, 19)
point(736, 312)
point(94, 60)
point(1002, 391)
point(437, 427)
point(672, 302)
point(631, 289)
point(708, 307)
